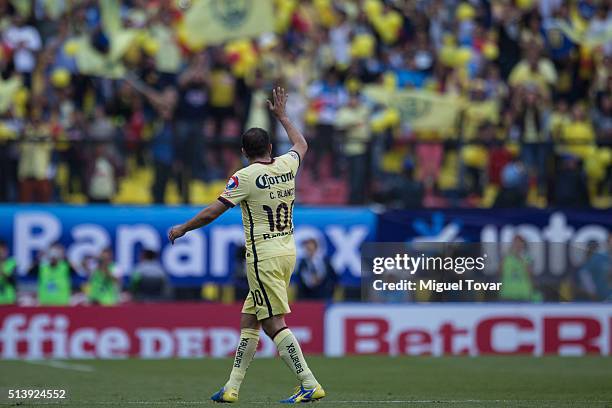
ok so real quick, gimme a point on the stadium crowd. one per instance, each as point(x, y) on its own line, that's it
point(161, 120)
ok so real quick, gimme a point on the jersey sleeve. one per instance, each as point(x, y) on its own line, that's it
point(293, 159)
point(236, 190)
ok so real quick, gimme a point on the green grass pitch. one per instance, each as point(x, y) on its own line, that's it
point(350, 382)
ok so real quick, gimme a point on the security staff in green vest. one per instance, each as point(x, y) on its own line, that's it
point(8, 292)
point(54, 278)
point(516, 278)
point(104, 287)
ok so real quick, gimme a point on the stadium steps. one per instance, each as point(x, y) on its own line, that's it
point(136, 187)
point(205, 193)
point(325, 191)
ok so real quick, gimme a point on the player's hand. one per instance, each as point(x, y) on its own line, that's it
point(279, 102)
point(176, 232)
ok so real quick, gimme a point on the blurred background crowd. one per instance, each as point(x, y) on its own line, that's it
point(120, 102)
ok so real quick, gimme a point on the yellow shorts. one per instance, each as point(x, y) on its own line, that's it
point(268, 283)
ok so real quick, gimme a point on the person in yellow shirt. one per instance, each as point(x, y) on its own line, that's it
point(578, 135)
point(353, 119)
point(478, 110)
point(221, 102)
point(534, 69)
point(559, 118)
point(34, 170)
point(531, 121)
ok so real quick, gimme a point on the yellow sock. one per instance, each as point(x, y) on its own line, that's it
point(244, 354)
point(291, 353)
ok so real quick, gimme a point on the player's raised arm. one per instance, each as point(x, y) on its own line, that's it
point(277, 106)
point(204, 217)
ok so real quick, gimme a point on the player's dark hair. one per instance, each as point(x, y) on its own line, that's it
point(255, 142)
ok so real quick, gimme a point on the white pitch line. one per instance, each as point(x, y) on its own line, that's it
point(325, 402)
point(60, 364)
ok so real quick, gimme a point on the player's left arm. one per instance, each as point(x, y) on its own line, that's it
point(204, 217)
point(277, 106)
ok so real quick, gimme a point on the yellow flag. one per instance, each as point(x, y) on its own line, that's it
point(23, 7)
point(91, 62)
point(111, 16)
point(421, 109)
point(216, 21)
point(168, 57)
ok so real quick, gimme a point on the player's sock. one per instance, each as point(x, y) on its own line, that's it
point(291, 353)
point(244, 354)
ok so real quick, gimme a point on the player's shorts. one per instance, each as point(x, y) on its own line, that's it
point(268, 283)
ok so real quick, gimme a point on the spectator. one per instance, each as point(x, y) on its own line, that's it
point(8, 162)
point(531, 121)
point(534, 69)
point(148, 280)
point(221, 102)
point(191, 114)
point(595, 274)
point(258, 115)
point(353, 119)
point(35, 162)
point(516, 273)
point(602, 118)
point(240, 281)
point(513, 193)
point(570, 189)
point(8, 285)
point(559, 119)
point(578, 135)
point(405, 191)
point(328, 95)
point(102, 185)
point(25, 42)
point(315, 275)
point(163, 143)
point(102, 129)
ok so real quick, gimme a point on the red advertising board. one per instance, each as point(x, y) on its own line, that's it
point(469, 329)
point(166, 330)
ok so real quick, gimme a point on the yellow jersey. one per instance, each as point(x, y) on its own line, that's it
point(266, 194)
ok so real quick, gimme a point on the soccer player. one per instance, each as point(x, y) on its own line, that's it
point(265, 190)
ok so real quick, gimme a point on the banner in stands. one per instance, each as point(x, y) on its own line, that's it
point(560, 234)
point(204, 255)
point(469, 329)
point(183, 330)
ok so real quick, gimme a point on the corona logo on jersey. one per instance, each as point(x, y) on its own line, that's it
point(265, 181)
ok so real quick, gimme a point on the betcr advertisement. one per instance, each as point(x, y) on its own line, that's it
point(196, 330)
point(468, 329)
point(150, 331)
